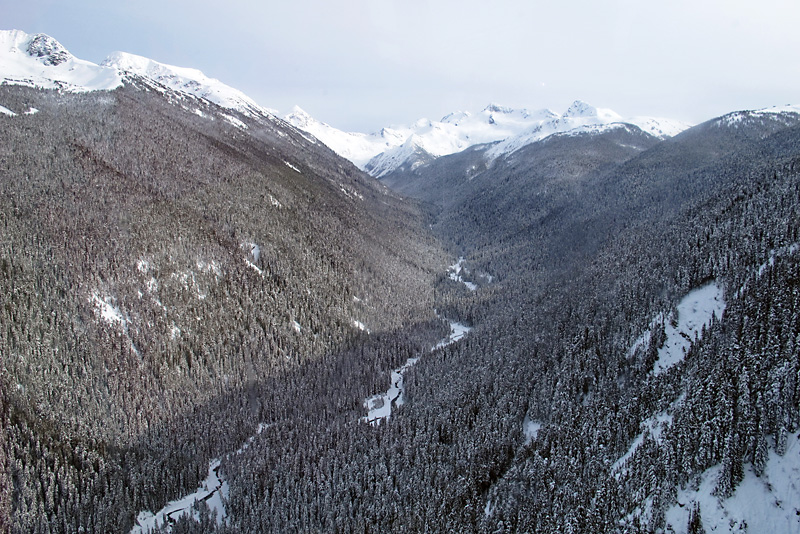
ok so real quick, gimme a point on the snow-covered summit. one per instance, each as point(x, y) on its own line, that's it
point(185, 80)
point(41, 61)
point(51, 51)
point(580, 109)
point(581, 117)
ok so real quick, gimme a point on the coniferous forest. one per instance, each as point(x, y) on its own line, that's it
point(179, 287)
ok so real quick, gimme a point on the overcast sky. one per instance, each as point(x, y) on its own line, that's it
point(363, 64)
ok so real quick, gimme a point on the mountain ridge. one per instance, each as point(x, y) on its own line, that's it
point(38, 60)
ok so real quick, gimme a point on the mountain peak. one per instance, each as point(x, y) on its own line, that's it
point(39, 60)
point(299, 118)
point(455, 117)
point(297, 110)
point(38, 46)
point(48, 49)
point(579, 108)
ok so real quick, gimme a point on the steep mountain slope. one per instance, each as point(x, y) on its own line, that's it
point(161, 259)
point(185, 80)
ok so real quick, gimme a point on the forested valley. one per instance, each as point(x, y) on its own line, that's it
point(180, 284)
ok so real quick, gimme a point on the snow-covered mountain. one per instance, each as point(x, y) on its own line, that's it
point(383, 151)
point(391, 148)
point(185, 80)
point(41, 61)
point(581, 117)
point(356, 147)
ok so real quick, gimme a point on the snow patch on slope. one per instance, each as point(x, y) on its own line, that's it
point(695, 312)
point(654, 426)
point(530, 429)
point(107, 311)
point(773, 255)
point(769, 503)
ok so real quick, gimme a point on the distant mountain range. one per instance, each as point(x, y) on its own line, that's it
point(393, 148)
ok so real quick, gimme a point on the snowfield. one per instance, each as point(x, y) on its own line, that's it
point(695, 312)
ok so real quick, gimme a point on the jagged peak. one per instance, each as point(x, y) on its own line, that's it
point(50, 51)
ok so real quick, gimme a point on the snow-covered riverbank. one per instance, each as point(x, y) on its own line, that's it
point(379, 407)
point(211, 492)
